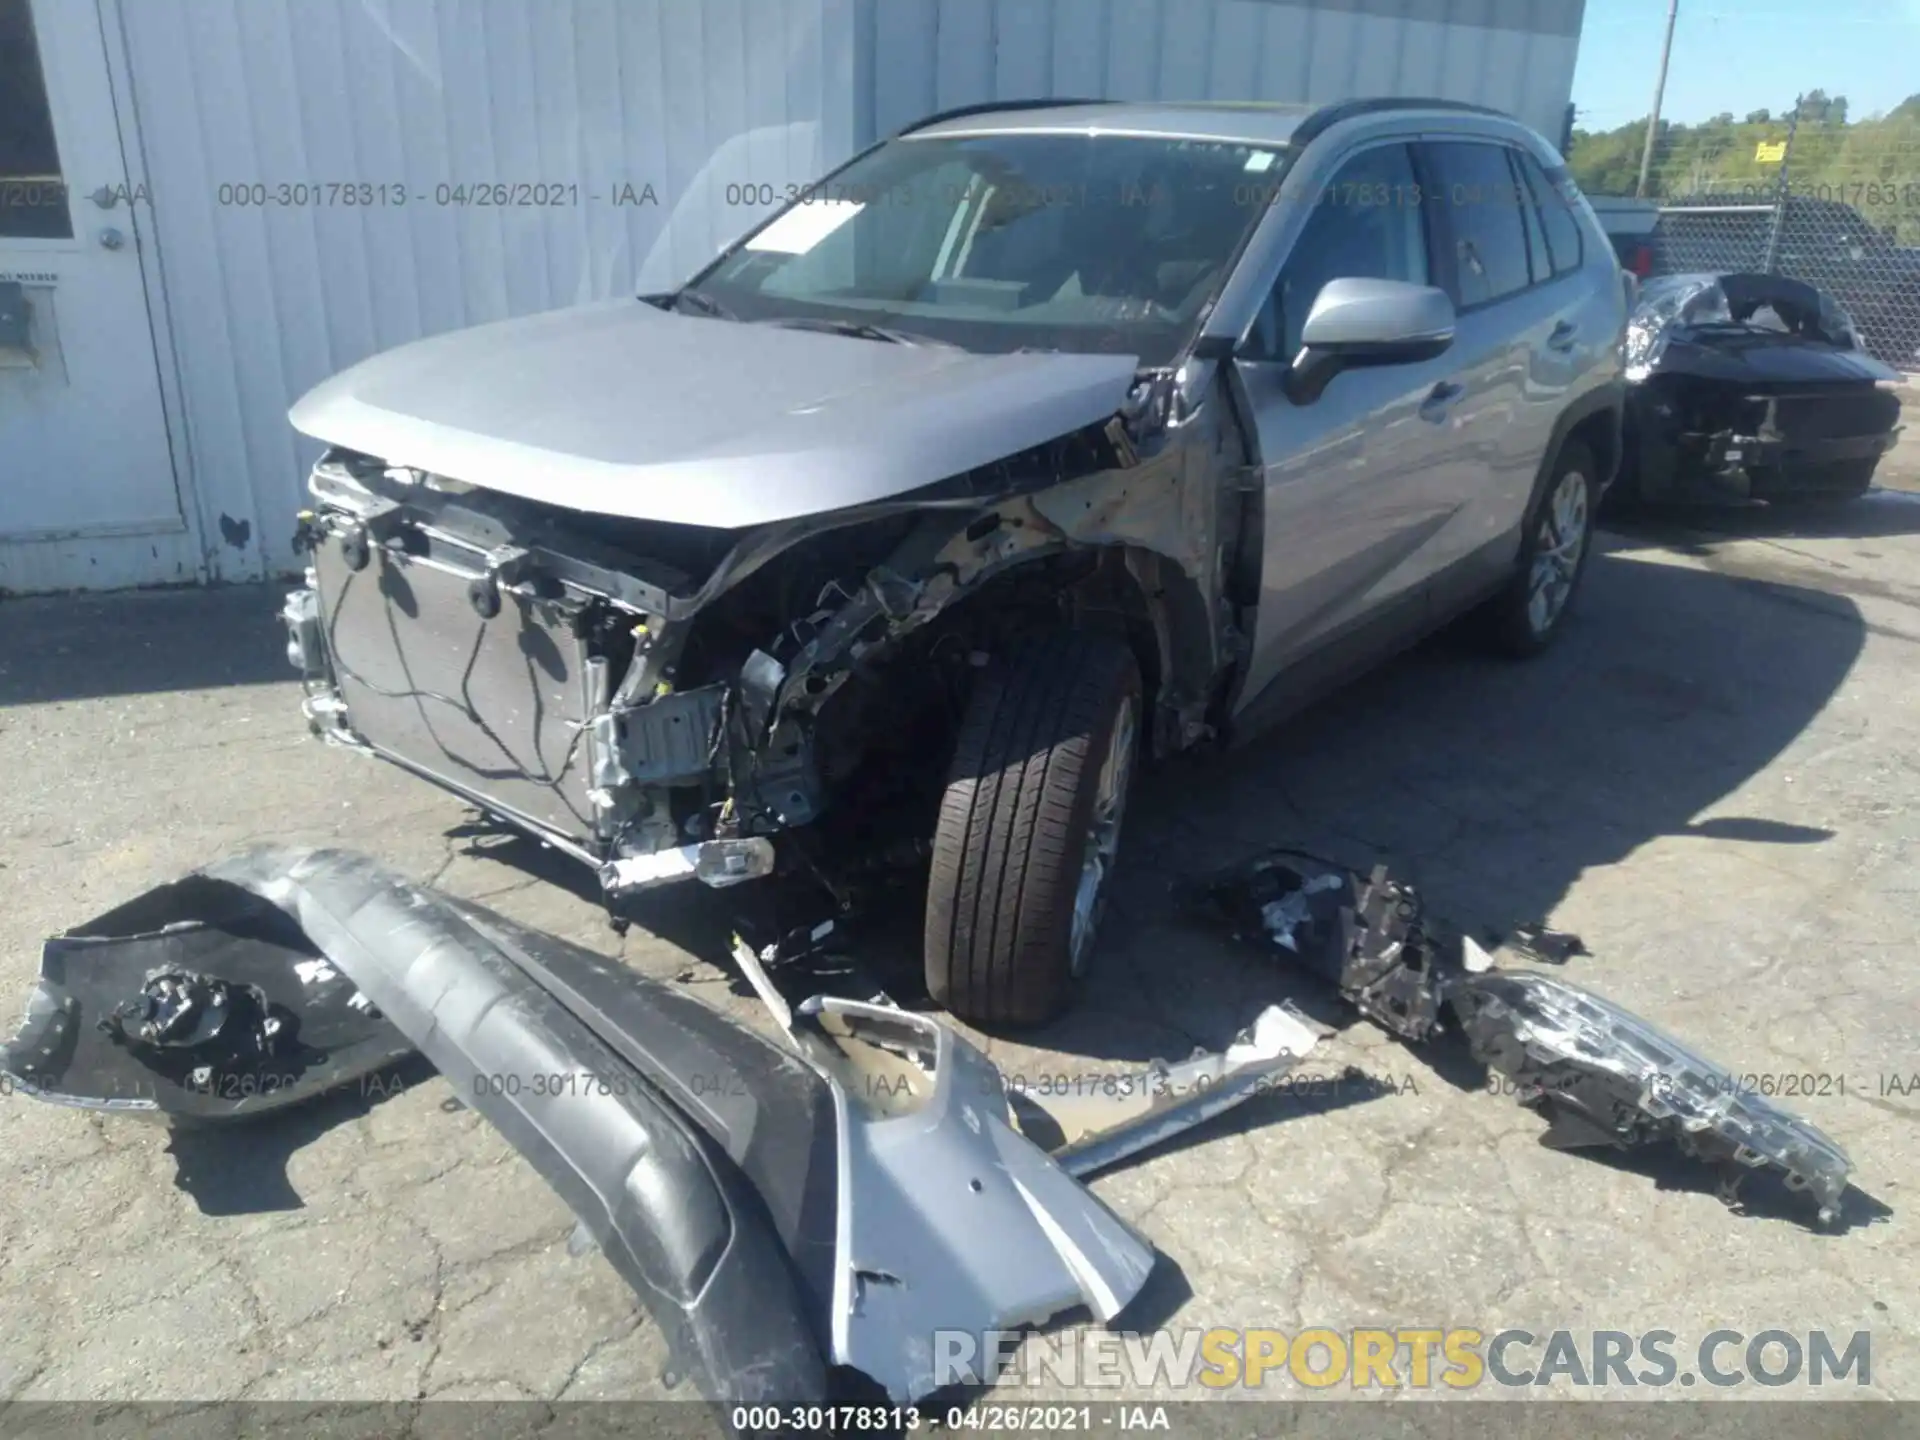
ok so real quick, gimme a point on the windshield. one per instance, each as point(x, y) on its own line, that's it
point(1010, 242)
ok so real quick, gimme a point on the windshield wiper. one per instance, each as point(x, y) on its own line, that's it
point(858, 329)
point(700, 303)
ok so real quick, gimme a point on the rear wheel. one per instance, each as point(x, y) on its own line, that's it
point(1029, 829)
point(1525, 617)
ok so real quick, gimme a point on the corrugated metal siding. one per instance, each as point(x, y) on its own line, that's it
point(596, 94)
point(689, 97)
point(1516, 55)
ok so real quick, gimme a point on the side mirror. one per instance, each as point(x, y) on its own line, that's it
point(1356, 323)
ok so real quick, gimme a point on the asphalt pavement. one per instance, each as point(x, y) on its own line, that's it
point(1712, 781)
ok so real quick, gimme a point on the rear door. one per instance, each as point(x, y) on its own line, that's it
point(1356, 483)
point(1516, 346)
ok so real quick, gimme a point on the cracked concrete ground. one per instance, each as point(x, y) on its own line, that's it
point(1713, 780)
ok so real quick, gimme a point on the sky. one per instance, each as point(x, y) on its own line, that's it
point(1745, 55)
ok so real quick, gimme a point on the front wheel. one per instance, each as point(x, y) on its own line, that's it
point(1029, 829)
point(1524, 618)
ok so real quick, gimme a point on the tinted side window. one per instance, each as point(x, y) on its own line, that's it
point(1367, 223)
point(1479, 196)
point(1556, 215)
point(1539, 260)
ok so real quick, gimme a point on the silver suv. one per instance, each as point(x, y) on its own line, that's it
point(1034, 443)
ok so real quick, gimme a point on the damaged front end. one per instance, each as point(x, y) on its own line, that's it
point(662, 701)
point(1753, 387)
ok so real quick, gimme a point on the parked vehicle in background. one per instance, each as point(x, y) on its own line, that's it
point(1825, 243)
point(1034, 442)
point(1630, 225)
point(1751, 387)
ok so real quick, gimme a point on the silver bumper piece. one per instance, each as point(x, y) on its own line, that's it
point(718, 863)
point(1122, 1116)
point(950, 1220)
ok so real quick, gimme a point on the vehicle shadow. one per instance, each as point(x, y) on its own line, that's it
point(1492, 787)
point(1879, 514)
point(241, 1168)
point(137, 642)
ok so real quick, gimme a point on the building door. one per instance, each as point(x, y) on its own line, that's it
point(86, 471)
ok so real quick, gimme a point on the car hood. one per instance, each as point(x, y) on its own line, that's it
point(620, 408)
point(1745, 329)
point(1759, 359)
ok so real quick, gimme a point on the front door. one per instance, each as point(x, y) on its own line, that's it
point(86, 474)
point(1358, 481)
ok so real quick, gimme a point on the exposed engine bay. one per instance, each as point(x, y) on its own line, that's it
point(661, 700)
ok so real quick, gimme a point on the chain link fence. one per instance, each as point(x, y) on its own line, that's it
point(1810, 193)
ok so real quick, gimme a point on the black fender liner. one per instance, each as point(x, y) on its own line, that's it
point(1609, 400)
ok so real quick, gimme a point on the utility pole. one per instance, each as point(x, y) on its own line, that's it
point(1659, 95)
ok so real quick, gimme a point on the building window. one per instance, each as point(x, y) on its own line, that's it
point(33, 197)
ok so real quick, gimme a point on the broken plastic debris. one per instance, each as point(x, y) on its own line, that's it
point(1118, 1116)
point(1284, 916)
point(1599, 1074)
point(1365, 935)
point(1111, 1117)
point(196, 1001)
point(1602, 1075)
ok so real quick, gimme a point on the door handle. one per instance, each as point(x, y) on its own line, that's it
point(1441, 401)
point(1563, 337)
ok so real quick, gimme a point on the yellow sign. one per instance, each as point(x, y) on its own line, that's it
point(1770, 152)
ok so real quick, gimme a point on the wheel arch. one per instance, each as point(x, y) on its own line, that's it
point(1597, 421)
point(1141, 596)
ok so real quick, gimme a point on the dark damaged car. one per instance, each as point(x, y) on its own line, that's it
point(1033, 444)
point(1752, 387)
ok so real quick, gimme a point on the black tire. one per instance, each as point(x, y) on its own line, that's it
point(1510, 624)
point(1014, 827)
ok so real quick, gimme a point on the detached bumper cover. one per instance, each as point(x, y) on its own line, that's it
point(780, 1217)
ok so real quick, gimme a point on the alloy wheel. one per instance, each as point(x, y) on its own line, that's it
point(1558, 550)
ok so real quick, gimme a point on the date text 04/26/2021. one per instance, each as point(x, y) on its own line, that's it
point(990, 1417)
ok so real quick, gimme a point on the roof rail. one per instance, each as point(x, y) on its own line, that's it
point(989, 107)
point(1327, 116)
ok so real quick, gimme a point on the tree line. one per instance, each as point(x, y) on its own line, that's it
point(1872, 163)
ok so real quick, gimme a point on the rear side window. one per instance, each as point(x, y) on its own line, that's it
point(1538, 257)
point(1562, 226)
point(1485, 206)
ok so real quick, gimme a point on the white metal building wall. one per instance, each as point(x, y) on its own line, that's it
point(689, 97)
point(1516, 55)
